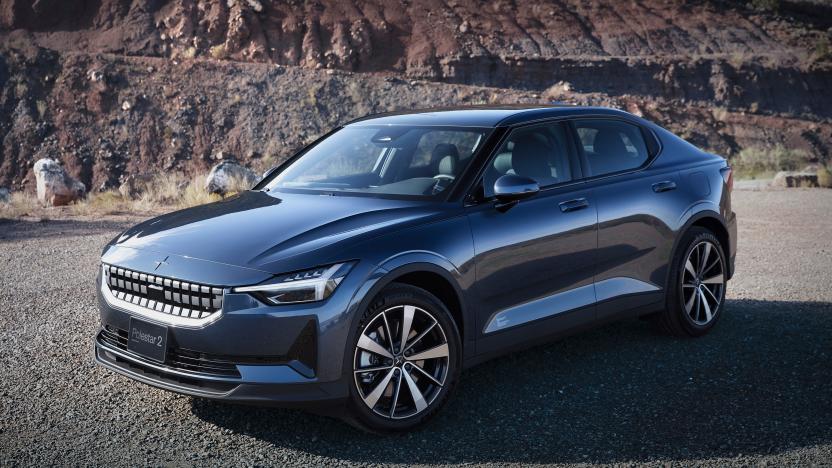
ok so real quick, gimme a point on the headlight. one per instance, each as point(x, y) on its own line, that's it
point(311, 285)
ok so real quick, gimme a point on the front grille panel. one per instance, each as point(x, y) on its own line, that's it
point(166, 295)
point(178, 358)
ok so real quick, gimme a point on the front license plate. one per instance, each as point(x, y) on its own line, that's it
point(148, 339)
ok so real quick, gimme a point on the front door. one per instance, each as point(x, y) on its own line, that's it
point(535, 260)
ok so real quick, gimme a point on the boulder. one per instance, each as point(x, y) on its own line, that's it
point(789, 179)
point(229, 176)
point(5, 195)
point(136, 185)
point(55, 186)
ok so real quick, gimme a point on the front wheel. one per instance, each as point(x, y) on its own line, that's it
point(406, 360)
point(696, 292)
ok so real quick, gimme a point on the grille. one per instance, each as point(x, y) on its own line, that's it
point(178, 358)
point(161, 294)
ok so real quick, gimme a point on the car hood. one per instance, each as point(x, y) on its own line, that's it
point(267, 231)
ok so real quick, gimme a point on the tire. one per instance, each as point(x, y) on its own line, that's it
point(685, 312)
point(397, 407)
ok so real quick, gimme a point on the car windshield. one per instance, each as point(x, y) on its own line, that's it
point(383, 160)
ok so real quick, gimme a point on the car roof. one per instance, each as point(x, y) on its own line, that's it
point(483, 116)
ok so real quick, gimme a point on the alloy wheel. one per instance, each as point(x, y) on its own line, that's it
point(401, 362)
point(703, 283)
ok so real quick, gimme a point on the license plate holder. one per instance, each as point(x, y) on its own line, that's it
point(148, 340)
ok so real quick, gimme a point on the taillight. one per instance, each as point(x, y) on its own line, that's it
point(728, 177)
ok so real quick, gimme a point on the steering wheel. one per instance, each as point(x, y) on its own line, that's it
point(443, 176)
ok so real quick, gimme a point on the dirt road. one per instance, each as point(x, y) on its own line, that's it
point(756, 390)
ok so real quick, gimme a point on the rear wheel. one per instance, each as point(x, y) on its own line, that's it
point(406, 360)
point(698, 279)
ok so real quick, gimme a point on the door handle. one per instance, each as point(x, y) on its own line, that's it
point(574, 205)
point(664, 186)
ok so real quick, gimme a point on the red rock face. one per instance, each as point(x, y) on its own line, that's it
point(114, 88)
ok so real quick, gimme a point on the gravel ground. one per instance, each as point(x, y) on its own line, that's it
point(758, 390)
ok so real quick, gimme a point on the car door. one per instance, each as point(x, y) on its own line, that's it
point(534, 260)
point(635, 206)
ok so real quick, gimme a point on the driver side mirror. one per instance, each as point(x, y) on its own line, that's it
point(510, 188)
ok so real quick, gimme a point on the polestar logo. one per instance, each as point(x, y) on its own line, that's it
point(160, 263)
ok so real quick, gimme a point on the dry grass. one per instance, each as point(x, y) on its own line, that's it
point(166, 192)
point(19, 204)
point(752, 163)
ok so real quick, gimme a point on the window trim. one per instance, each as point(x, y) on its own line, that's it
point(471, 196)
point(645, 133)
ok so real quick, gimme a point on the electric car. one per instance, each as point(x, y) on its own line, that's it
point(368, 270)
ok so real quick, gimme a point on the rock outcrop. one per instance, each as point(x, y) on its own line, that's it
point(229, 176)
point(120, 88)
point(54, 186)
point(789, 179)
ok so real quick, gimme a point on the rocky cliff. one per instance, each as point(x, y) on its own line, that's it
point(118, 87)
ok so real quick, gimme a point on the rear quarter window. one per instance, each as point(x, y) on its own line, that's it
point(611, 146)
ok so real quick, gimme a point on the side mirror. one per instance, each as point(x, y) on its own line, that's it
point(510, 188)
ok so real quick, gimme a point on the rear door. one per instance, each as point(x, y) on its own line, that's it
point(635, 207)
point(535, 260)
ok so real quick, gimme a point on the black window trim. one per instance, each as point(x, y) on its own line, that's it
point(472, 197)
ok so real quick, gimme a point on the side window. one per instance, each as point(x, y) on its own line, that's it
point(540, 152)
point(611, 146)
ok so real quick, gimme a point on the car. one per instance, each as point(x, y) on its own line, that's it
point(363, 274)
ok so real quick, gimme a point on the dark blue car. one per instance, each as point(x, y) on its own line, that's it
point(364, 273)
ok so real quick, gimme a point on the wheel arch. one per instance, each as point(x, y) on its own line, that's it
point(427, 271)
point(431, 277)
point(712, 221)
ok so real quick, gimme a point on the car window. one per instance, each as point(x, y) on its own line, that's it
point(346, 157)
point(388, 160)
point(611, 146)
point(434, 142)
point(540, 152)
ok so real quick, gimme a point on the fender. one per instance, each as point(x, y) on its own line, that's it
point(694, 214)
point(395, 267)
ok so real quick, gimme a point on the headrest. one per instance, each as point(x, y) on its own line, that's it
point(447, 166)
point(502, 163)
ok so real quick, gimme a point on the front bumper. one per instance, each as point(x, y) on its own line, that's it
point(284, 355)
point(266, 385)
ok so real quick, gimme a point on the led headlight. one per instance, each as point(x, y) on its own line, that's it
point(311, 285)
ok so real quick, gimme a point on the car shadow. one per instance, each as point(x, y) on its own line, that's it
point(759, 383)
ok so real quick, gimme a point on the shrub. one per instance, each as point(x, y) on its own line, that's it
point(109, 202)
point(218, 52)
point(822, 49)
point(765, 5)
point(19, 204)
point(195, 194)
point(824, 177)
point(175, 190)
point(755, 162)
